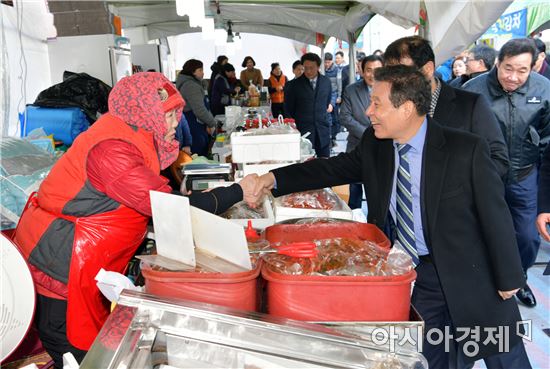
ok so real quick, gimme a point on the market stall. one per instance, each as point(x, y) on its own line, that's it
point(145, 331)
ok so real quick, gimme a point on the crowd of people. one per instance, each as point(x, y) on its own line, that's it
point(456, 172)
point(198, 124)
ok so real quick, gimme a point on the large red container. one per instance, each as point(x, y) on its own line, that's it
point(235, 290)
point(336, 298)
point(318, 231)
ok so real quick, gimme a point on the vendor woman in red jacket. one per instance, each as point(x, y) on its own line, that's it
point(92, 210)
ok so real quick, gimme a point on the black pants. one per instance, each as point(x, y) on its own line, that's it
point(277, 109)
point(51, 323)
point(429, 300)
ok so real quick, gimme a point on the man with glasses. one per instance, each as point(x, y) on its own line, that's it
point(451, 107)
point(479, 60)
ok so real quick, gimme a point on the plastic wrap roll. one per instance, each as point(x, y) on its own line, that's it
point(64, 123)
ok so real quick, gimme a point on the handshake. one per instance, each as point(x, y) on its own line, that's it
point(255, 187)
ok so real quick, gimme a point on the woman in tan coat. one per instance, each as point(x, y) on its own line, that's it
point(251, 75)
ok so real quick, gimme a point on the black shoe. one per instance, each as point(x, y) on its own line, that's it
point(526, 296)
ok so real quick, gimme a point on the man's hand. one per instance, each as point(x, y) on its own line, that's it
point(187, 149)
point(262, 186)
point(211, 130)
point(505, 295)
point(329, 109)
point(542, 221)
point(338, 100)
point(248, 185)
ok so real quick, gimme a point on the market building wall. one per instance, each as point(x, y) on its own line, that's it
point(25, 66)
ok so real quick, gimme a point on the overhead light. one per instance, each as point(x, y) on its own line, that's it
point(229, 32)
point(208, 29)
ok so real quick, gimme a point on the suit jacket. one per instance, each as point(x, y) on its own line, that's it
point(467, 225)
point(355, 101)
point(544, 182)
point(309, 108)
point(457, 108)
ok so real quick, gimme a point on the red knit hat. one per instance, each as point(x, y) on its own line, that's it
point(136, 100)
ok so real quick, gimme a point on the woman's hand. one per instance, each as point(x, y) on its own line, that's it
point(211, 130)
point(248, 185)
point(187, 149)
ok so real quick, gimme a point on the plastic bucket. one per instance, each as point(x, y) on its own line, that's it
point(339, 298)
point(235, 290)
point(336, 298)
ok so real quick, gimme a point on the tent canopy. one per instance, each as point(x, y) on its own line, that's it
point(452, 25)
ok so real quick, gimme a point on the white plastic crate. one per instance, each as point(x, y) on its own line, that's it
point(258, 148)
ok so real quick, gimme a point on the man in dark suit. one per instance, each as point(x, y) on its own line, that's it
point(450, 106)
point(307, 100)
point(458, 229)
point(355, 101)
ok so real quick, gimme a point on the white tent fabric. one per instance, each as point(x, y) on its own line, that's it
point(278, 20)
point(452, 25)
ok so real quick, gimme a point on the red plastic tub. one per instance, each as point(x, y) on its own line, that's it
point(338, 298)
point(319, 231)
point(235, 290)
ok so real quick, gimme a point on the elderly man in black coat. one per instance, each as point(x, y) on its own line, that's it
point(307, 100)
point(436, 191)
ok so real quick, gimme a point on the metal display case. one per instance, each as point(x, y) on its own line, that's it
point(146, 331)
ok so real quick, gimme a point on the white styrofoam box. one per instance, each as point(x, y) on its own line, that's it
point(255, 149)
point(261, 223)
point(261, 169)
point(284, 213)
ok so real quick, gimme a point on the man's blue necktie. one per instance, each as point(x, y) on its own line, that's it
point(405, 218)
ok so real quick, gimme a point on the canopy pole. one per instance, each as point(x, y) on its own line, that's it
point(351, 43)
